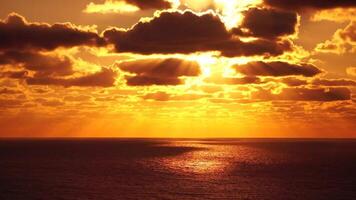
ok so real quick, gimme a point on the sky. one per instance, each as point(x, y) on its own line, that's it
point(178, 68)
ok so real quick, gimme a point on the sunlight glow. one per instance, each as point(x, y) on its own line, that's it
point(205, 62)
point(111, 7)
point(231, 10)
point(200, 161)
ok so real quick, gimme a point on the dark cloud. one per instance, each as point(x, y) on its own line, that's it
point(17, 34)
point(14, 74)
point(304, 94)
point(334, 82)
point(289, 81)
point(9, 91)
point(42, 64)
point(262, 47)
point(11, 103)
point(150, 4)
point(22, 47)
point(176, 32)
point(171, 32)
point(267, 23)
point(149, 80)
point(104, 78)
point(46, 69)
point(171, 67)
point(159, 71)
point(277, 68)
point(349, 33)
point(292, 81)
point(310, 4)
point(235, 80)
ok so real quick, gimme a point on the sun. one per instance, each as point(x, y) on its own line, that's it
point(231, 10)
point(205, 62)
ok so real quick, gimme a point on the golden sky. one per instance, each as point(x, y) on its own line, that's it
point(178, 68)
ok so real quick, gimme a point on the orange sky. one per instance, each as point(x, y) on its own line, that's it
point(178, 68)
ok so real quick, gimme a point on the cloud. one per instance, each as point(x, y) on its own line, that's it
point(335, 15)
point(289, 81)
point(277, 68)
point(343, 41)
point(171, 67)
point(187, 32)
point(78, 98)
point(24, 46)
point(14, 74)
point(304, 94)
point(43, 65)
point(50, 102)
point(334, 82)
point(149, 80)
point(159, 71)
point(104, 78)
point(110, 7)
point(11, 103)
point(267, 23)
point(234, 80)
point(257, 47)
point(18, 34)
point(351, 71)
point(310, 4)
point(48, 69)
point(292, 81)
point(8, 91)
point(183, 33)
point(164, 96)
point(349, 33)
point(126, 6)
point(157, 96)
point(150, 4)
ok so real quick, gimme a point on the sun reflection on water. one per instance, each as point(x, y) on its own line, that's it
point(206, 159)
point(213, 158)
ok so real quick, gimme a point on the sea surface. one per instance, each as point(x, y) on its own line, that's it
point(105, 169)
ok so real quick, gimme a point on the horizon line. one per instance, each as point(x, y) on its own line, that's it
point(173, 138)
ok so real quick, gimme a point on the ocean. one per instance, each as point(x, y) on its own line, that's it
point(105, 169)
